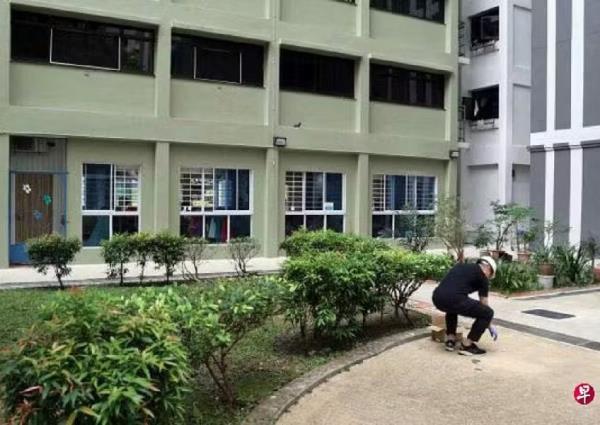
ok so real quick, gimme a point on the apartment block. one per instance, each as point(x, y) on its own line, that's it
point(223, 118)
point(565, 116)
point(496, 94)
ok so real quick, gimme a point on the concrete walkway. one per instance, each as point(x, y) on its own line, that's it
point(585, 306)
point(95, 274)
point(523, 380)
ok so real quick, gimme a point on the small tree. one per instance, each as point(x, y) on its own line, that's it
point(418, 229)
point(450, 227)
point(143, 247)
point(117, 252)
point(168, 251)
point(502, 223)
point(242, 250)
point(195, 249)
point(521, 217)
point(53, 251)
point(483, 237)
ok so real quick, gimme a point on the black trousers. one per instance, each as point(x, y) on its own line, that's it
point(467, 307)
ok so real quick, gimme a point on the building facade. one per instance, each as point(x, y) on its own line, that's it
point(223, 118)
point(565, 116)
point(496, 92)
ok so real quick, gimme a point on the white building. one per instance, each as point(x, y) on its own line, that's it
point(496, 91)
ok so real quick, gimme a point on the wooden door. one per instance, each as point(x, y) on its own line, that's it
point(33, 205)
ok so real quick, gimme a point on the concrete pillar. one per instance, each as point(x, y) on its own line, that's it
point(162, 70)
point(272, 209)
point(363, 21)
point(4, 199)
point(451, 188)
point(162, 171)
point(363, 96)
point(4, 54)
point(362, 219)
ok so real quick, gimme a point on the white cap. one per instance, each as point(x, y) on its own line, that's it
point(489, 260)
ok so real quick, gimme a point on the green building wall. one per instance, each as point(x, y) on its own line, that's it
point(164, 124)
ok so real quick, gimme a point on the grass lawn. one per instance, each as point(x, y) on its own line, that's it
point(266, 360)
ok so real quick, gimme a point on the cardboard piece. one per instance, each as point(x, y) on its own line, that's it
point(438, 334)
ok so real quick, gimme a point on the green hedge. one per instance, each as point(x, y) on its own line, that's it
point(304, 241)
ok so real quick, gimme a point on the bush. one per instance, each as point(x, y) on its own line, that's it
point(194, 254)
point(242, 250)
point(419, 229)
point(168, 250)
point(304, 241)
point(328, 290)
point(96, 360)
point(143, 246)
point(572, 266)
point(221, 318)
point(515, 277)
point(117, 251)
point(53, 251)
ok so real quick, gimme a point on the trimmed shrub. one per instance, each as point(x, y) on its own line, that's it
point(117, 252)
point(195, 249)
point(515, 277)
point(304, 241)
point(143, 247)
point(53, 251)
point(167, 251)
point(97, 360)
point(572, 266)
point(242, 250)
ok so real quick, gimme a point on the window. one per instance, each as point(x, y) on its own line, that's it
point(313, 73)
point(215, 203)
point(395, 196)
point(431, 10)
point(485, 28)
point(483, 104)
point(314, 201)
point(110, 201)
point(217, 60)
point(65, 41)
point(405, 86)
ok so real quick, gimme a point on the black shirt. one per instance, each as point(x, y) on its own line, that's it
point(462, 280)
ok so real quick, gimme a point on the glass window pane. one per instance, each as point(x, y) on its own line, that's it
point(191, 226)
point(315, 222)
point(334, 191)
point(398, 191)
point(244, 190)
point(137, 55)
point(425, 193)
point(252, 65)
point(335, 223)
point(378, 192)
point(382, 226)
point(96, 190)
point(220, 64)
point(240, 226)
point(30, 42)
point(182, 58)
point(402, 225)
point(293, 223)
point(293, 191)
point(126, 189)
point(216, 229)
point(94, 229)
point(208, 189)
point(190, 182)
point(80, 48)
point(225, 189)
point(314, 191)
point(125, 224)
point(411, 183)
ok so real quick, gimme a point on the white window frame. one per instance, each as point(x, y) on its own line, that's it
point(304, 212)
point(227, 213)
point(112, 212)
point(394, 213)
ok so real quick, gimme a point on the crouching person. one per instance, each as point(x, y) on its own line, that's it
point(452, 297)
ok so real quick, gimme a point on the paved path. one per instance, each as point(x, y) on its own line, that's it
point(585, 306)
point(524, 380)
point(90, 274)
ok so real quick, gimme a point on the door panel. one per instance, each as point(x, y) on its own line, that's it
point(33, 205)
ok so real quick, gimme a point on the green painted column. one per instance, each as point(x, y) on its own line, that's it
point(162, 161)
point(163, 71)
point(272, 216)
point(451, 178)
point(4, 55)
point(4, 193)
point(362, 219)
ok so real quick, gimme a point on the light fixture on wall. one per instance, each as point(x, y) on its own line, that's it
point(280, 142)
point(454, 154)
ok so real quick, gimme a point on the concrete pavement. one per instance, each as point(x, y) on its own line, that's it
point(523, 380)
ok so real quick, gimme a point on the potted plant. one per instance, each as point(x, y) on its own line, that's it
point(483, 239)
point(528, 237)
point(501, 223)
point(525, 232)
point(543, 258)
point(592, 249)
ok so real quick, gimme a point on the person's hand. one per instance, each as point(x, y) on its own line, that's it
point(493, 332)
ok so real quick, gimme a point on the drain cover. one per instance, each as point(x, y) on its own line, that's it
point(548, 314)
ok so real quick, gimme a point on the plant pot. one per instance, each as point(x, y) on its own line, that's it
point(524, 257)
point(546, 269)
point(596, 274)
point(546, 282)
point(496, 254)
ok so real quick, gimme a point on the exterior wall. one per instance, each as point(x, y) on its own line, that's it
point(591, 102)
point(562, 185)
point(163, 124)
point(539, 65)
point(590, 222)
point(538, 183)
point(563, 64)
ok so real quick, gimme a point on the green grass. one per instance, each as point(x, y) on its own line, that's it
point(265, 361)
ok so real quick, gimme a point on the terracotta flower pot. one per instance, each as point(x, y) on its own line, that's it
point(546, 269)
point(496, 254)
point(524, 257)
point(597, 274)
